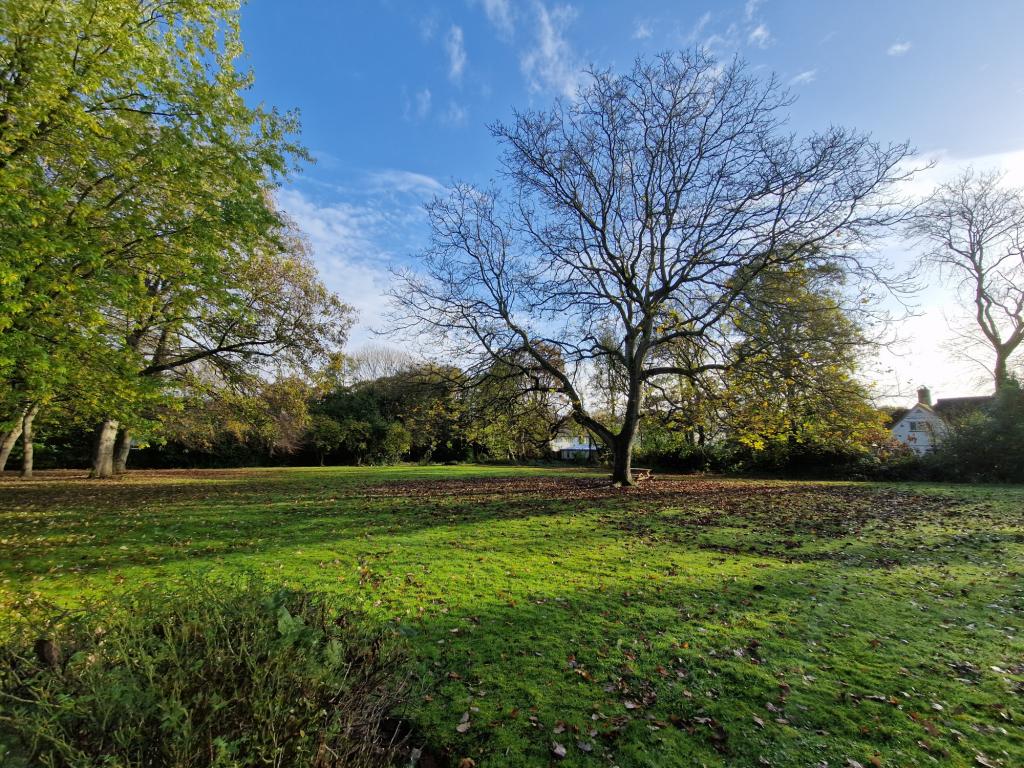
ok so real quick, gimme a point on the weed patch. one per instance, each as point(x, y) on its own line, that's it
point(221, 672)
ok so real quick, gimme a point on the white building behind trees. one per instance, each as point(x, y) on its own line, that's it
point(924, 426)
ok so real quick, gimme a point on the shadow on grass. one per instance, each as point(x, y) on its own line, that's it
point(683, 674)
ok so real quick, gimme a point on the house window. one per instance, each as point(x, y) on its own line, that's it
point(919, 426)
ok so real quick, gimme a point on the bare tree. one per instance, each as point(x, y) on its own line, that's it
point(378, 361)
point(974, 229)
point(645, 207)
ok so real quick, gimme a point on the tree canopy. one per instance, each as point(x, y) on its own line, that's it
point(795, 385)
point(138, 232)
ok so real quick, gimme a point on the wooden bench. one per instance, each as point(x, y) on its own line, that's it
point(640, 474)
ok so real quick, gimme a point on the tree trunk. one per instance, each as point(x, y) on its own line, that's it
point(622, 452)
point(622, 462)
point(26, 441)
point(122, 448)
point(1001, 373)
point(622, 445)
point(103, 449)
point(10, 439)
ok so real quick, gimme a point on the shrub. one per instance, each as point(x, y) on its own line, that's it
point(860, 462)
point(989, 447)
point(202, 672)
point(715, 457)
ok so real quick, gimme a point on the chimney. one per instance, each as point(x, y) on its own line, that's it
point(924, 396)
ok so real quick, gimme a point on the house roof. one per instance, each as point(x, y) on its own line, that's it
point(947, 410)
point(895, 415)
point(958, 406)
point(916, 410)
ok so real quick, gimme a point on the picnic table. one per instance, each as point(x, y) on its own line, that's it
point(641, 474)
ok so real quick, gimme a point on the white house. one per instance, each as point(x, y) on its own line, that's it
point(573, 446)
point(922, 427)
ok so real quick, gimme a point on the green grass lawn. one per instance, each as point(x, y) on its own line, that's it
point(690, 622)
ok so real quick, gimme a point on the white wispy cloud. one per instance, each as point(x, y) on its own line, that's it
point(722, 40)
point(428, 26)
point(760, 36)
point(550, 65)
point(641, 30)
point(455, 46)
point(359, 233)
point(946, 165)
point(423, 103)
point(899, 48)
point(499, 13)
point(345, 250)
point(805, 77)
point(456, 114)
point(416, 107)
point(728, 31)
point(391, 180)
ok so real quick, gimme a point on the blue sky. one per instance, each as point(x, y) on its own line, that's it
point(395, 98)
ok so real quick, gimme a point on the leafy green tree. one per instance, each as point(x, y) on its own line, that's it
point(428, 401)
point(253, 309)
point(325, 434)
point(395, 441)
point(361, 424)
point(417, 413)
point(680, 412)
point(278, 417)
point(254, 419)
point(794, 387)
point(509, 415)
point(134, 185)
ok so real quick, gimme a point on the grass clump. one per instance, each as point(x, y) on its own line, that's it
point(197, 672)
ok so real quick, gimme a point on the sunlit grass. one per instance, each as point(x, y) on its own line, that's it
point(709, 622)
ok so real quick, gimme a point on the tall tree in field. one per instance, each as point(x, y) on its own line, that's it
point(974, 229)
point(637, 215)
point(110, 111)
point(795, 386)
